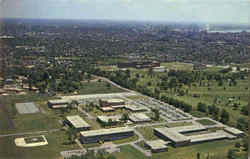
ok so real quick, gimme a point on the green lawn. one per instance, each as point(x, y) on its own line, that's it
point(130, 139)
point(46, 119)
point(208, 96)
point(206, 122)
point(217, 149)
point(147, 133)
point(178, 66)
point(170, 125)
point(128, 152)
point(57, 142)
point(24, 122)
point(98, 87)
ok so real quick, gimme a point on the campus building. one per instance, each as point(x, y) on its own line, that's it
point(139, 118)
point(157, 145)
point(94, 136)
point(77, 122)
point(135, 108)
point(234, 131)
point(106, 119)
point(111, 102)
point(170, 135)
point(58, 103)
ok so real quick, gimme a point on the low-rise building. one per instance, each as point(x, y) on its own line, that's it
point(157, 145)
point(234, 131)
point(107, 109)
point(58, 103)
point(135, 108)
point(94, 136)
point(218, 135)
point(111, 102)
point(189, 129)
point(139, 117)
point(77, 122)
point(114, 118)
point(176, 138)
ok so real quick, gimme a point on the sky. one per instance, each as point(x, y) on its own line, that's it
point(214, 11)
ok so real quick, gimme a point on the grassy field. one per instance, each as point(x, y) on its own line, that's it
point(57, 143)
point(128, 152)
point(130, 139)
point(46, 119)
point(24, 122)
point(208, 96)
point(98, 87)
point(147, 133)
point(170, 125)
point(215, 149)
point(206, 122)
point(178, 66)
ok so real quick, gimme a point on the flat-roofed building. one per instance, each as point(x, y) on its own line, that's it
point(107, 109)
point(157, 145)
point(218, 135)
point(234, 131)
point(135, 108)
point(94, 136)
point(77, 122)
point(106, 119)
point(111, 102)
point(176, 138)
point(139, 117)
point(188, 129)
point(58, 103)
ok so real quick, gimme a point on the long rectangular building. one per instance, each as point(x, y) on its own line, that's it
point(111, 102)
point(94, 136)
point(234, 131)
point(176, 138)
point(188, 129)
point(218, 135)
point(77, 122)
point(58, 103)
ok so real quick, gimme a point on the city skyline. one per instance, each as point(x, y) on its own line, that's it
point(212, 11)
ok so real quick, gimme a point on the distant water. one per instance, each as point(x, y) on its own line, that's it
point(228, 31)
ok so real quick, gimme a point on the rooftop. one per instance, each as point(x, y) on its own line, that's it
point(183, 129)
point(77, 121)
point(210, 136)
point(157, 144)
point(172, 135)
point(135, 108)
point(233, 130)
point(107, 118)
point(58, 101)
point(92, 133)
point(114, 100)
point(107, 109)
point(139, 117)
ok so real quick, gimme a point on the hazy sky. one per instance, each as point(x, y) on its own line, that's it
point(231, 11)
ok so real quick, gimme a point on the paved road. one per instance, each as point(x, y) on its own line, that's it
point(138, 93)
point(84, 112)
point(30, 133)
point(91, 118)
point(114, 84)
